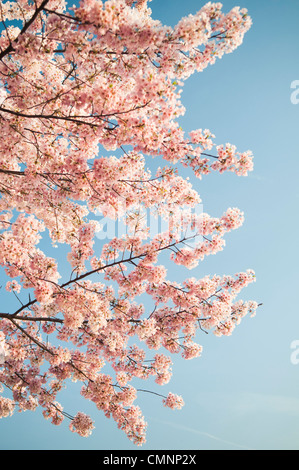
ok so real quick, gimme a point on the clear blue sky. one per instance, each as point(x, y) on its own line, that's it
point(244, 391)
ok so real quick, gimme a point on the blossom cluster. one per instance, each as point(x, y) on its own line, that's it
point(87, 96)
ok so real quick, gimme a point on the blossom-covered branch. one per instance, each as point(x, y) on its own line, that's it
point(88, 96)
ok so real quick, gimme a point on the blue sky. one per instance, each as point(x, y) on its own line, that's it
point(243, 393)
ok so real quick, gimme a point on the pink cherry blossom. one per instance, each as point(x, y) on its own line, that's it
point(82, 424)
point(88, 96)
point(173, 401)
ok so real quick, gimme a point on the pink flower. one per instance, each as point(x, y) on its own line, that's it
point(173, 401)
point(82, 425)
point(77, 86)
point(13, 286)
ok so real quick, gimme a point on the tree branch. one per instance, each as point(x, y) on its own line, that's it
point(27, 25)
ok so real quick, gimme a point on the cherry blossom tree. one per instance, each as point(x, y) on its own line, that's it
point(88, 97)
